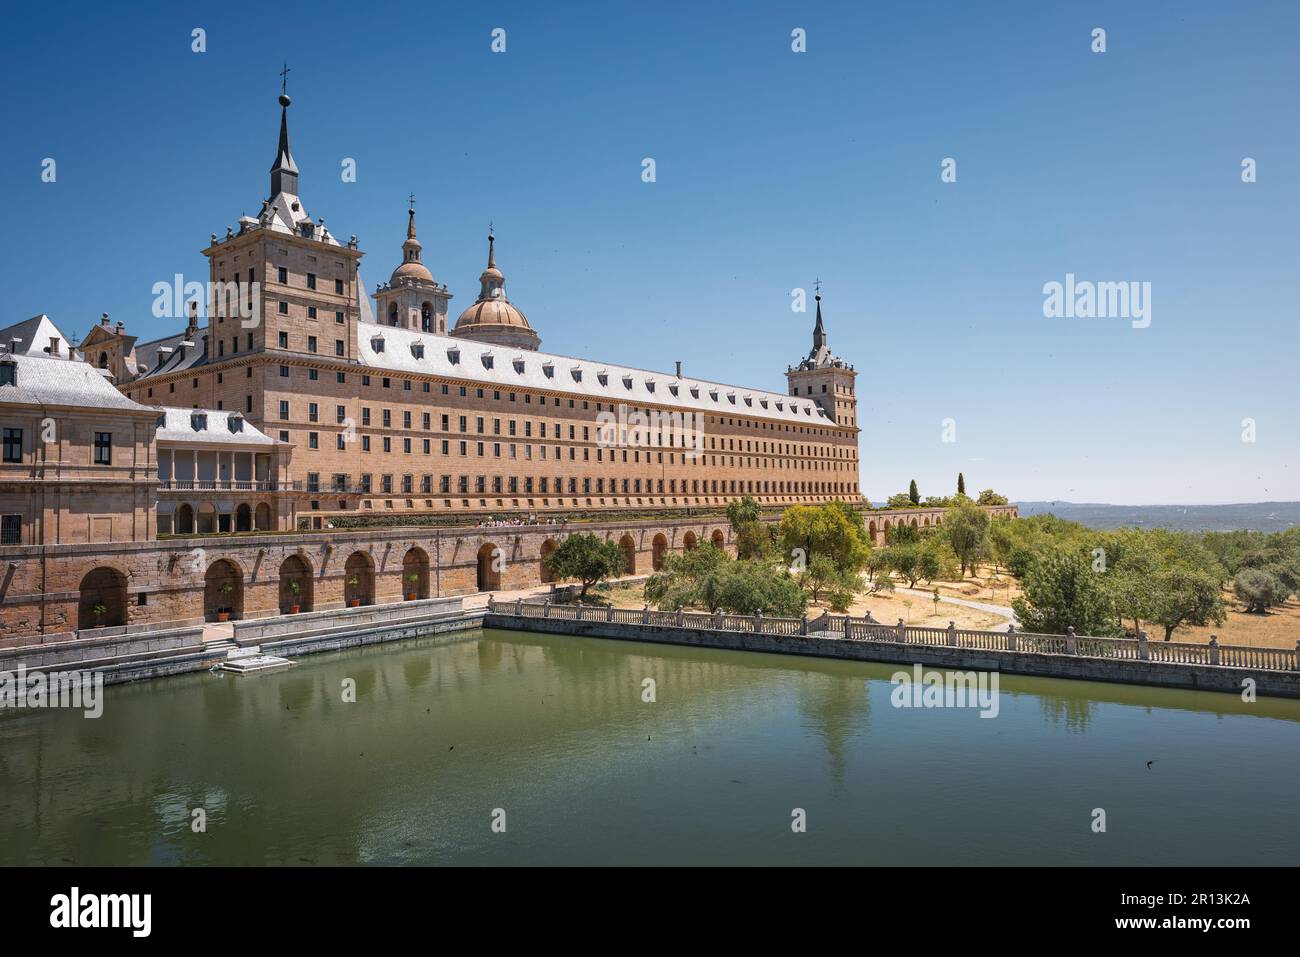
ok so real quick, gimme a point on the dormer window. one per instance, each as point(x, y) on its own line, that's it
point(377, 343)
point(199, 422)
point(731, 397)
point(453, 356)
point(519, 366)
point(650, 385)
point(236, 423)
point(672, 389)
point(548, 370)
point(749, 401)
point(487, 360)
point(417, 350)
point(627, 381)
point(713, 394)
point(695, 392)
point(602, 377)
point(763, 403)
point(576, 372)
point(8, 372)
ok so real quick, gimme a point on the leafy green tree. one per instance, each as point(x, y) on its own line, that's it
point(686, 580)
point(1258, 590)
point(966, 529)
point(990, 497)
point(587, 558)
point(961, 484)
point(753, 539)
point(913, 493)
point(1060, 591)
point(901, 500)
point(833, 530)
point(1186, 596)
point(745, 588)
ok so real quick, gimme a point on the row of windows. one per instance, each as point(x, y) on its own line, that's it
point(543, 485)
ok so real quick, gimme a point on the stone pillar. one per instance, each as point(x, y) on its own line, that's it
point(758, 622)
point(1070, 647)
point(681, 617)
point(645, 614)
point(519, 607)
point(902, 632)
point(609, 612)
point(952, 634)
point(1144, 653)
point(803, 625)
point(546, 608)
point(1214, 649)
point(1011, 638)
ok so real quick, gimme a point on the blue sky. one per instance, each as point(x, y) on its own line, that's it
point(773, 168)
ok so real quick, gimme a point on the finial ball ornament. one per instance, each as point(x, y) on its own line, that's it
point(284, 100)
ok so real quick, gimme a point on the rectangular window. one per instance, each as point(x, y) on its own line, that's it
point(13, 445)
point(311, 280)
point(338, 287)
point(284, 275)
point(284, 409)
point(11, 529)
point(103, 448)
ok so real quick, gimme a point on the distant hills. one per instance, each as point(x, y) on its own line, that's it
point(1256, 516)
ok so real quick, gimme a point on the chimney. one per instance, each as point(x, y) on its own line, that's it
point(120, 327)
point(103, 319)
point(679, 368)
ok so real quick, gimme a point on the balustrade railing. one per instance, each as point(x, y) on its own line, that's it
point(847, 628)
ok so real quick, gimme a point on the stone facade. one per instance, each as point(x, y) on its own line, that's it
point(55, 590)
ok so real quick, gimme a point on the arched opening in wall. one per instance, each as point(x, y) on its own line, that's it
point(103, 599)
point(548, 546)
point(185, 520)
point(295, 585)
point(207, 519)
point(689, 541)
point(871, 530)
point(657, 549)
point(415, 574)
point(243, 518)
point(914, 521)
point(359, 580)
point(719, 539)
point(223, 592)
point(392, 313)
point(628, 548)
point(426, 316)
point(262, 517)
point(490, 561)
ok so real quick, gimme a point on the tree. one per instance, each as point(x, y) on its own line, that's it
point(990, 497)
point(746, 588)
point(685, 581)
point(1258, 590)
point(961, 484)
point(753, 540)
point(1185, 596)
point(913, 493)
point(900, 500)
point(587, 558)
point(966, 529)
point(1002, 540)
point(1062, 591)
point(834, 530)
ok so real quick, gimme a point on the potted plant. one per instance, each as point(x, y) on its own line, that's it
point(223, 614)
point(414, 579)
point(295, 588)
point(355, 600)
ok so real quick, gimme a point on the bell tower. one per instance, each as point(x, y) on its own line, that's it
point(412, 299)
point(824, 378)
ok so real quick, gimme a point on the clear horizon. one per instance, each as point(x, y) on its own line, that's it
point(773, 169)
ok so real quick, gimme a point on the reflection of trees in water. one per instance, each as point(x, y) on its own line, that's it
point(1075, 714)
point(838, 706)
point(417, 669)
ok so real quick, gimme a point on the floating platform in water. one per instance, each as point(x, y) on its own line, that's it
point(253, 664)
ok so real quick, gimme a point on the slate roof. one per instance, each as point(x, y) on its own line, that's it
point(507, 368)
point(46, 381)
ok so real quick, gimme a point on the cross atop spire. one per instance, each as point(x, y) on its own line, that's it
point(819, 330)
point(284, 173)
point(411, 200)
point(817, 284)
